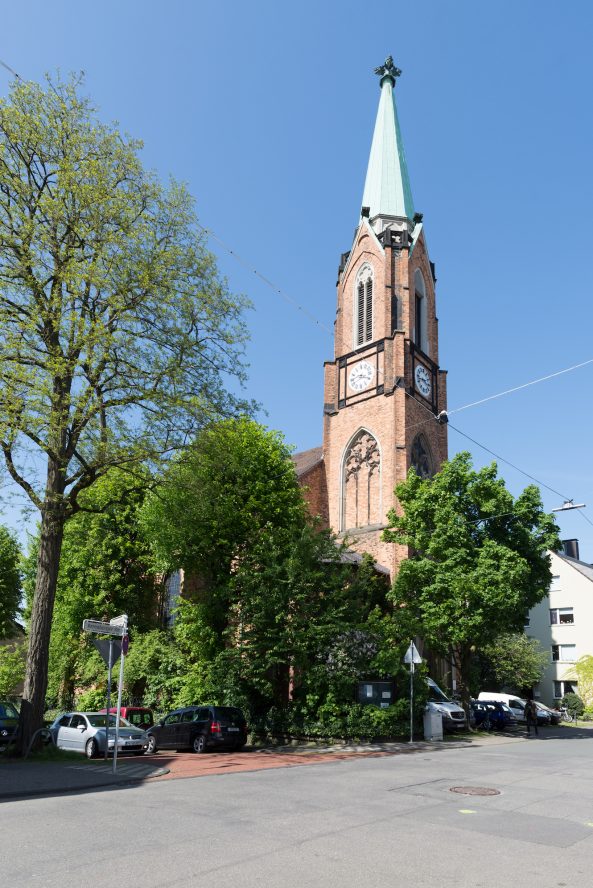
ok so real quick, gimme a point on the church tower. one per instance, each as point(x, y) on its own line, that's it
point(384, 389)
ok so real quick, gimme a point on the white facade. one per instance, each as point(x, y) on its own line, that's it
point(563, 625)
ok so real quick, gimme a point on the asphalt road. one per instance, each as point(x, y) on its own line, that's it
point(375, 822)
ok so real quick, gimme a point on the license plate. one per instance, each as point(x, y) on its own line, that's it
point(233, 729)
point(131, 743)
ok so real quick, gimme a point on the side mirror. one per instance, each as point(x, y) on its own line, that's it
point(161, 721)
point(82, 728)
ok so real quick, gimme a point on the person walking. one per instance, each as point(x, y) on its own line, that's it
point(531, 716)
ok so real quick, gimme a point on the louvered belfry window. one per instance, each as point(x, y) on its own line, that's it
point(360, 315)
point(364, 308)
point(368, 329)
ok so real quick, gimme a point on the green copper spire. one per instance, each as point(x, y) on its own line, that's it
point(387, 189)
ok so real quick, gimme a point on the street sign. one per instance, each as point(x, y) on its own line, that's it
point(119, 621)
point(102, 628)
point(412, 655)
point(102, 645)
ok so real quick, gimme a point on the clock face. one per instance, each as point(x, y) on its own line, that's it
point(361, 376)
point(423, 380)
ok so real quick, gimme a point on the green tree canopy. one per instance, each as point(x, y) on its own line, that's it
point(117, 335)
point(233, 481)
point(477, 560)
point(512, 661)
point(10, 581)
point(266, 594)
point(106, 568)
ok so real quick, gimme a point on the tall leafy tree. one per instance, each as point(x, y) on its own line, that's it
point(106, 568)
point(477, 560)
point(117, 335)
point(511, 661)
point(10, 581)
point(266, 595)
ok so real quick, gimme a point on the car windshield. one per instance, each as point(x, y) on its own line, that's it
point(98, 721)
point(7, 710)
point(435, 695)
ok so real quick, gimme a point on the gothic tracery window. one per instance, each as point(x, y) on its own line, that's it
point(361, 482)
point(363, 327)
point(421, 460)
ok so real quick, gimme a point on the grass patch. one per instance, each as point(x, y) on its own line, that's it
point(48, 753)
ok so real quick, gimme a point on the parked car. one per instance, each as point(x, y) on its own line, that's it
point(86, 732)
point(139, 716)
point(515, 704)
point(453, 715)
point(491, 715)
point(200, 728)
point(9, 720)
point(543, 714)
point(555, 714)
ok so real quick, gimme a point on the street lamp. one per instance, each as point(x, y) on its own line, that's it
point(568, 505)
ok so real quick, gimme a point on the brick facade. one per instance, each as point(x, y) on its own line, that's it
point(368, 435)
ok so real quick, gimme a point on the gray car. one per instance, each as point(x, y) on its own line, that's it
point(86, 732)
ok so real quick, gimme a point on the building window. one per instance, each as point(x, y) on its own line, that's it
point(363, 328)
point(555, 583)
point(561, 616)
point(420, 458)
point(420, 313)
point(564, 687)
point(361, 482)
point(564, 653)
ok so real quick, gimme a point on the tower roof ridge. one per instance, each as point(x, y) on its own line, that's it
point(387, 190)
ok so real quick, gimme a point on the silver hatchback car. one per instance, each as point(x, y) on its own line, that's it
point(86, 732)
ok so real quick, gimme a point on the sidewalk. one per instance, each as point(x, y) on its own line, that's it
point(23, 779)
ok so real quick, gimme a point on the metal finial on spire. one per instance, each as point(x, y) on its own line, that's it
point(388, 70)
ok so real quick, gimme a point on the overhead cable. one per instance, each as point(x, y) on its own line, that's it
point(525, 385)
point(266, 280)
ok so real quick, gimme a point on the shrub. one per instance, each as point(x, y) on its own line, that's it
point(93, 700)
point(336, 721)
point(574, 704)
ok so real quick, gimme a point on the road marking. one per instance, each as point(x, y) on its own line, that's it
point(467, 811)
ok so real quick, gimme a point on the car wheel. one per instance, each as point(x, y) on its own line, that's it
point(487, 724)
point(91, 749)
point(151, 745)
point(239, 747)
point(199, 744)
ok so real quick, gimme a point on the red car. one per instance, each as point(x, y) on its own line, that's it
point(139, 716)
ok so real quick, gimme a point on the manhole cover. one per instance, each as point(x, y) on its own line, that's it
point(475, 790)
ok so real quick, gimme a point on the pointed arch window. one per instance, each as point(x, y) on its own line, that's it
point(420, 312)
point(420, 457)
point(361, 482)
point(363, 325)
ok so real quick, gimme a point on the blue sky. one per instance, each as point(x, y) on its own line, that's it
point(266, 110)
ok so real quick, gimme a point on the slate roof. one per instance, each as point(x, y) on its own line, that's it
point(306, 459)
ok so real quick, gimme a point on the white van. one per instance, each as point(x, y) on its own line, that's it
point(515, 704)
point(452, 714)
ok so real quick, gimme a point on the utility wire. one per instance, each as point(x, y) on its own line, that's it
point(8, 68)
point(525, 385)
point(509, 463)
point(266, 280)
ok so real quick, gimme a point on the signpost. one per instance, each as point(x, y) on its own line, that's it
point(412, 657)
point(107, 648)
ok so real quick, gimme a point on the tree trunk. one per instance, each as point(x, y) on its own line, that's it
point(33, 703)
point(463, 664)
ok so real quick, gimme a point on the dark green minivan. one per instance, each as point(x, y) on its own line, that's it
point(201, 728)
